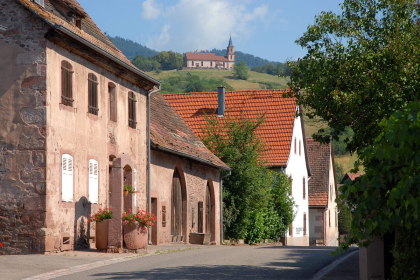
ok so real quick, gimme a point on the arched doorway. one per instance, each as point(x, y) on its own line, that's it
point(178, 208)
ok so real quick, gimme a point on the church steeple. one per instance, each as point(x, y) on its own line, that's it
point(230, 53)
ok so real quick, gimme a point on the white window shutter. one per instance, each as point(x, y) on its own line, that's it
point(67, 178)
point(135, 187)
point(93, 181)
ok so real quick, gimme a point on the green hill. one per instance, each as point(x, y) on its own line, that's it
point(131, 49)
point(255, 81)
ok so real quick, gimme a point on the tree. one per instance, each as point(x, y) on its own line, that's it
point(145, 64)
point(361, 66)
point(241, 70)
point(252, 190)
point(169, 60)
point(386, 200)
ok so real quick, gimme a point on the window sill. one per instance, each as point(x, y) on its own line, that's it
point(67, 204)
point(92, 117)
point(67, 108)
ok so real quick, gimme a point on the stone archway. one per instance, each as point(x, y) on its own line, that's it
point(178, 207)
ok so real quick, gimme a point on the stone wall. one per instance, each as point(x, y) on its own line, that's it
point(194, 176)
point(22, 130)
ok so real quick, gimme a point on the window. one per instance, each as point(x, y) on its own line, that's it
point(78, 23)
point(291, 184)
point(211, 63)
point(202, 63)
point(192, 63)
point(93, 181)
point(295, 145)
point(291, 229)
point(67, 178)
point(66, 83)
point(112, 103)
point(132, 110)
point(93, 94)
point(329, 217)
point(304, 223)
point(40, 2)
point(304, 187)
point(299, 148)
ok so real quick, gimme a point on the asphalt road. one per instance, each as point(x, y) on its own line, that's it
point(220, 262)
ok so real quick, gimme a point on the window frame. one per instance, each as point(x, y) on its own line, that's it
point(67, 178)
point(67, 83)
point(93, 94)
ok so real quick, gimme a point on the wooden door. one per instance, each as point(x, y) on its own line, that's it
point(176, 221)
point(154, 233)
point(208, 209)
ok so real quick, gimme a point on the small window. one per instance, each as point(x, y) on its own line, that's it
point(67, 178)
point(211, 63)
point(66, 83)
point(78, 23)
point(295, 145)
point(304, 188)
point(192, 63)
point(291, 184)
point(40, 2)
point(202, 63)
point(93, 94)
point(112, 103)
point(132, 110)
point(304, 223)
point(299, 148)
point(93, 181)
point(329, 217)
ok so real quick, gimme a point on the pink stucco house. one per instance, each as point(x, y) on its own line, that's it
point(74, 115)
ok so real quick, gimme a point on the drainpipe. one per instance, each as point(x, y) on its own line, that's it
point(148, 155)
point(221, 205)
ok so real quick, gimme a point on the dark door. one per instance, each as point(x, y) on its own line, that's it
point(176, 220)
point(153, 235)
point(208, 209)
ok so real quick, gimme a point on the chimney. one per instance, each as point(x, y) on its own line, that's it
point(221, 101)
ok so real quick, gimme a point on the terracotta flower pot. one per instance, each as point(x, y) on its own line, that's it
point(125, 193)
point(101, 236)
point(135, 236)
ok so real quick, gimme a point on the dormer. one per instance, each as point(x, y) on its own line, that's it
point(69, 11)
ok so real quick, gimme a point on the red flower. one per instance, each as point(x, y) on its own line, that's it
point(1, 244)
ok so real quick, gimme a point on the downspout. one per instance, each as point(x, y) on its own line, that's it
point(221, 205)
point(149, 208)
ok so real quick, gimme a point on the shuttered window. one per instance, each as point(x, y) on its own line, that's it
point(304, 187)
point(67, 178)
point(304, 223)
point(93, 94)
point(112, 103)
point(300, 147)
point(295, 145)
point(66, 83)
point(132, 109)
point(93, 181)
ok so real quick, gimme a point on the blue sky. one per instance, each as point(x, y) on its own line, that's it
point(264, 28)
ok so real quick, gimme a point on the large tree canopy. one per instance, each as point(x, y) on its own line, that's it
point(361, 66)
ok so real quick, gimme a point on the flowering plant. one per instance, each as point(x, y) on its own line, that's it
point(1, 245)
point(144, 218)
point(129, 188)
point(101, 215)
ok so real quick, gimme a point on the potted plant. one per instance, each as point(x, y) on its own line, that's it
point(128, 189)
point(135, 228)
point(102, 218)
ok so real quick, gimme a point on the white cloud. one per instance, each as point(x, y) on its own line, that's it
point(151, 10)
point(206, 24)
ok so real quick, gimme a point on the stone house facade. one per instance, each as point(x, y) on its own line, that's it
point(73, 129)
point(211, 60)
point(323, 191)
point(282, 132)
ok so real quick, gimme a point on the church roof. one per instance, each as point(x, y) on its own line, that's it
point(205, 56)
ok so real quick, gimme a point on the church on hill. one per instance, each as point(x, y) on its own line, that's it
point(211, 60)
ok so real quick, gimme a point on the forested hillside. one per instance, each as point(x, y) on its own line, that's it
point(131, 49)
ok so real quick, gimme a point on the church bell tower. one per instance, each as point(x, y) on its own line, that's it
point(230, 51)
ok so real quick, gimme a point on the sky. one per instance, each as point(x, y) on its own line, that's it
point(264, 28)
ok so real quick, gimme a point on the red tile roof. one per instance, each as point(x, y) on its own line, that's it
point(170, 133)
point(276, 131)
point(319, 160)
point(351, 176)
point(205, 56)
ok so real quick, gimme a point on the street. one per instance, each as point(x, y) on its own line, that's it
point(219, 262)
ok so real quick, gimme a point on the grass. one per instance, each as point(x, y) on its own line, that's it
point(348, 162)
point(227, 75)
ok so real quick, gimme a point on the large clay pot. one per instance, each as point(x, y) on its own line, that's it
point(135, 236)
point(101, 236)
